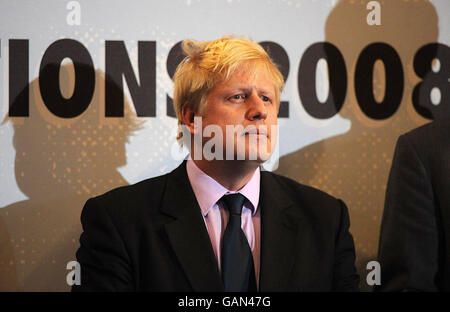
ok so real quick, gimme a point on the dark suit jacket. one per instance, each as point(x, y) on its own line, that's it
point(151, 237)
point(414, 250)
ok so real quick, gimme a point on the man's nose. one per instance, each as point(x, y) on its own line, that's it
point(257, 108)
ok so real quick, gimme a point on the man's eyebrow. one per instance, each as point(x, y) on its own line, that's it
point(267, 91)
point(249, 89)
point(237, 89)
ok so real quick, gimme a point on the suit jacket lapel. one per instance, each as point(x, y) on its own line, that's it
point(188, 234)
point(279, 234)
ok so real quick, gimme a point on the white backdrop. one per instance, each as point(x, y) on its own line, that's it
point(293, 24)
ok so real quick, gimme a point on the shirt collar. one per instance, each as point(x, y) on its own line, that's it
point(208, 191)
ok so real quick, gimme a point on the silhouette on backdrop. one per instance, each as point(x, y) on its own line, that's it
point(354, 166)
point(59, 164)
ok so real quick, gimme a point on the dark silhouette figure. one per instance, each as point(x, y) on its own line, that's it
point(59, 164)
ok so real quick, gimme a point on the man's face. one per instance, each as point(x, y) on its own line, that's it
point(246, 100)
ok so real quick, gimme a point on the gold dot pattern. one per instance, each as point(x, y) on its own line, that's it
point(59, 164)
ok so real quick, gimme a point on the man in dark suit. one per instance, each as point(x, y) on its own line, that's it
point(414, 250)
point(217, 222)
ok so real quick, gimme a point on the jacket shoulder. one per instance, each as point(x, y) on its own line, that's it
point(319, 208)
point(431, 133)
point(303, 193)
point(431, 142)
point(141, 187)
point(134, 199)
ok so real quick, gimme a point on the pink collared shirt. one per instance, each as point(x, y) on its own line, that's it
point(208, 191)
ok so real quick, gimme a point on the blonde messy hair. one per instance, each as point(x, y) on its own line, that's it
point(208, 63)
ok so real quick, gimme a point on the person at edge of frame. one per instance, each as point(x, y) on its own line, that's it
point(415, 230)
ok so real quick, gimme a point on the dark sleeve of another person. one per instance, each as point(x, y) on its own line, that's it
point(408, 249)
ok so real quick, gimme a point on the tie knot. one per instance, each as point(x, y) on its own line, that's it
point(234, 203)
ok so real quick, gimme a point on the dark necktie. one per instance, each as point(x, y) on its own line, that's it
point(238, 272)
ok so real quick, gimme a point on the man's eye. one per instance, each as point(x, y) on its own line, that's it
point(265, 98)
point(238, 97)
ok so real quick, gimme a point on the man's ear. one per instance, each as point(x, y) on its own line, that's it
point(188, 117)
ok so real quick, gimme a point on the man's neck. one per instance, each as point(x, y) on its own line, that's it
point(231, 174)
